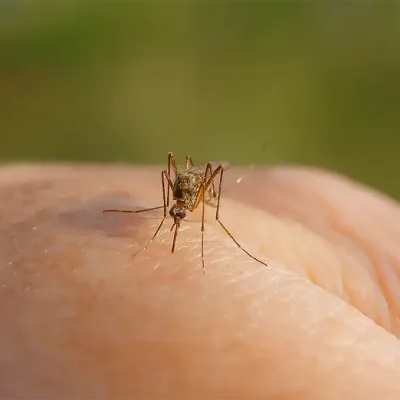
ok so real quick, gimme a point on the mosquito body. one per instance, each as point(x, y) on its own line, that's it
point(190, 187)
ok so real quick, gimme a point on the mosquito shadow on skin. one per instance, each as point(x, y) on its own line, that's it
point(89, 217)
point(27, 192)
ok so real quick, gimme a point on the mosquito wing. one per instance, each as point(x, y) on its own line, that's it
point(216, 164)
point(201, 168)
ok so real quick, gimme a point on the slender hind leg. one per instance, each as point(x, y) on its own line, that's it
point(171, 162)
point(164, 176)
point(189, 162)
point(220, 170)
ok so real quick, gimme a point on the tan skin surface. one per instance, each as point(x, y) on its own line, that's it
point(83, 318)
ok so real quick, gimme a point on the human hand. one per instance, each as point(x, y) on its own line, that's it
point(83, 318)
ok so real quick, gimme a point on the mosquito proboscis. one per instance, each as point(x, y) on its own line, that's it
point(189, 188)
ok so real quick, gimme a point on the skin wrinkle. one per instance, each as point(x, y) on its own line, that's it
point(304, 184)
point(297, 294)
point(391, 280)
point(372, 257)
point(389, 291)
point(367, 295)
point(384, 319)
point(383, 285)
point(343, 234)
point(319, 275)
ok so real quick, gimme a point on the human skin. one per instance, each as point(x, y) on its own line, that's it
point(84, 318)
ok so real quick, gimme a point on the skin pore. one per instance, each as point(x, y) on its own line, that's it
point(83, 318)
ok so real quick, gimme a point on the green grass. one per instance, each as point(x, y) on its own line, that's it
point(318, 82)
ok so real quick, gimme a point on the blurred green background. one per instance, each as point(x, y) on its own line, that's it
point(315, 82)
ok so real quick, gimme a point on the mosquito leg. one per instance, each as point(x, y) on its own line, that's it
point(171, 162)
point(169, 174)
point(164, 206)
point(199, 196)
point(170, 183)
point(131, 211)
point(219, 193)
point(145, 209)
point(163, 177)
point(149, 242)
point(210, 190)
point(202, 232)
point(210, 180)
point(163, 193)
point(213, 192)
point(175, 235)
point(189, 162)
point(223, 226)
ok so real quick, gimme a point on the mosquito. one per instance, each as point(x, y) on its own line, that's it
point(189, 187)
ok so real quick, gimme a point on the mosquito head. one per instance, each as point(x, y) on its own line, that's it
point(178, 213)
